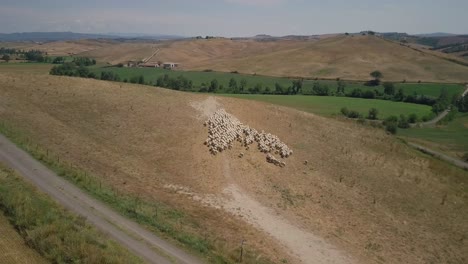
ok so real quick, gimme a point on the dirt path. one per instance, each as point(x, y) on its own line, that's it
point(304, 245)
point(140, 241)
point(440, 155)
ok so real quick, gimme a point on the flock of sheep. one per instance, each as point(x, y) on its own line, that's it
point(224, 129)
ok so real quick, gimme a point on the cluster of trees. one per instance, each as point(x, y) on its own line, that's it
point(178, 83)
point(391, 124)
point(30, 55)
point(74, 70)
point(79, 61)
point(83, 61)
point(372, 114)
point(36, 55)
point(6, 53)
point(71, 69)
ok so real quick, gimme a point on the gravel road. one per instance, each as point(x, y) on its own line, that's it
point(129, 234)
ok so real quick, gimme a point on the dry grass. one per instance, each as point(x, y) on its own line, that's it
point(362, 190)
point(343, 57)
point(13, 249)
point(347, 57)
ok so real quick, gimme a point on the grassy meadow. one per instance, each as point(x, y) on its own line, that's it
point(199, 78)
point(329, 105)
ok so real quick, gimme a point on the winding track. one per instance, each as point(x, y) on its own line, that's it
point(439, 116)
point(129, 234)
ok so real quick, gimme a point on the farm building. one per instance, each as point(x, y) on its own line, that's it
point(170, 65)
point(165, 65)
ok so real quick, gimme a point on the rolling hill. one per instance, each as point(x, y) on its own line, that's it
point(346, 57)
point(362, 194)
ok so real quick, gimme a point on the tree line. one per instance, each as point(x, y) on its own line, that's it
point(78, 68)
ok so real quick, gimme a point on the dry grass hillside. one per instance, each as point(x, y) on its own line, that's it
point(72, 47)
point(344, 57)
point(362, 195)
point(347, 57)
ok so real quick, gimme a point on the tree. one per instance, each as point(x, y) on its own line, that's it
point(6, 57)
point(213, 86)
point(296, 86)
point(233, 85)
point(442, 102)
point(389, 88)
point(141, 79)
point(373, 112)
point(340, 88)
point(356, 93)
point(279, 89)
point(377, 75)
point(257, 88)
point(400, 95)
point(321, 90)
point(243, 85)
point(368, 94)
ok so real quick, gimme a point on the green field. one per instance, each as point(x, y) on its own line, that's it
point(428, 89)
point(151, 74)
point(329, 105)
point(198, 78)
point(452, 137)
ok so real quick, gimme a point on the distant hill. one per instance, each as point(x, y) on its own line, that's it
point(436, 34)
point(59, 36)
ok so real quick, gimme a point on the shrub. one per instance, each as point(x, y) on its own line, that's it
point(354, 114)
point(403, 122)
point(391, 128)
point(412, 118)
point(344, 111)
point(373, 112)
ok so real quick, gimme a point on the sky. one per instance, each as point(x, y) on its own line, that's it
point(234, 18)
